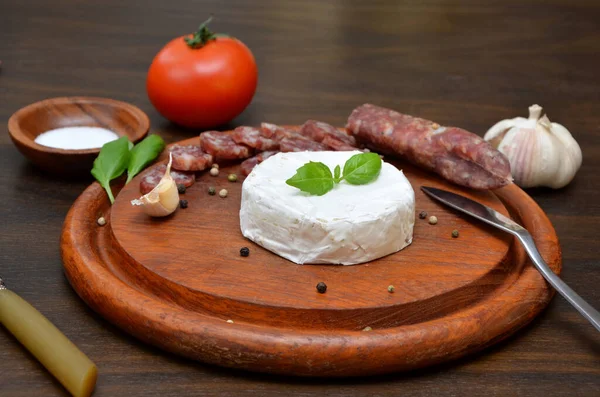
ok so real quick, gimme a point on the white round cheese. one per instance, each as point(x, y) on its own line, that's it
point(348, 225)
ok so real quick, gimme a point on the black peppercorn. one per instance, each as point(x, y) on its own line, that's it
point(180, 188)
point(422, 215)
point(321, 287)
point(245, 251)
point(183, 203)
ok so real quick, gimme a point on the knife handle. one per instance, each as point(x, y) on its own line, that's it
point(51, 347)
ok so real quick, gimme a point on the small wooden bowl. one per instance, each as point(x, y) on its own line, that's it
point(29, 122)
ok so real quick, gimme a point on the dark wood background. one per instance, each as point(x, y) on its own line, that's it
point(465, 63)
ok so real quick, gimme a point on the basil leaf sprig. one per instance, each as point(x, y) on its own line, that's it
point(361, 169)
point(142, 154)
point(316, 178)
point(313, 177)
point(111, 163)
point(119, 155)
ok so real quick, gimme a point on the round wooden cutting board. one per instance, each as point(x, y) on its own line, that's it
point(180, 283)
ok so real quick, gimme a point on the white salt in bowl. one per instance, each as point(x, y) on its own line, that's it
point(27, 123)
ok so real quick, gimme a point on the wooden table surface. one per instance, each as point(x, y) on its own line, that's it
point(465, 63)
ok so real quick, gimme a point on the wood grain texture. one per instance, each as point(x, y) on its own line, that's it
point(466, 63)
point(175, 282)
point(27, 123)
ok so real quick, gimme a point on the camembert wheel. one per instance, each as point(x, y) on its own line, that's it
point(351, 224)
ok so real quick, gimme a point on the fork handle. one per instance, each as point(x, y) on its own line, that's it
point(591, 314)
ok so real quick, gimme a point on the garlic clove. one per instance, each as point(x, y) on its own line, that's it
point(499, 131)
point(570, 159)
point(541, 153)
point(571, 145)
point(163, 200)
point(535, 157)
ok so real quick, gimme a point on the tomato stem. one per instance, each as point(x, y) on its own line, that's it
point(202, 36)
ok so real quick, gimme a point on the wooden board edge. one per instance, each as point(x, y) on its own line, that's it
point(306, 352)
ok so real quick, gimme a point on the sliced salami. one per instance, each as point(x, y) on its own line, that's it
point(190, 158)
point(313, 136)
point(248, 165)
point(456, 154)
point(300, 145)
point(275, 132)
point(222, 146)
point(318, 131)
point(254, 138)
point(278, 133)
point(151, 178)
point(337, 145)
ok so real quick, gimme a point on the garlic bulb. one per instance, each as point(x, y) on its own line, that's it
point(541, 153)
point(163, 199)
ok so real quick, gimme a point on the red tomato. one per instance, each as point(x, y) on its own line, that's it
point(202, 87)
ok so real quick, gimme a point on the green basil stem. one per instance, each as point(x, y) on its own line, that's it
point(109, 193)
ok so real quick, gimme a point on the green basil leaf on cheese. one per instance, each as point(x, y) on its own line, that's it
point(336, 174)
point(313, 177)
point(362, 168)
